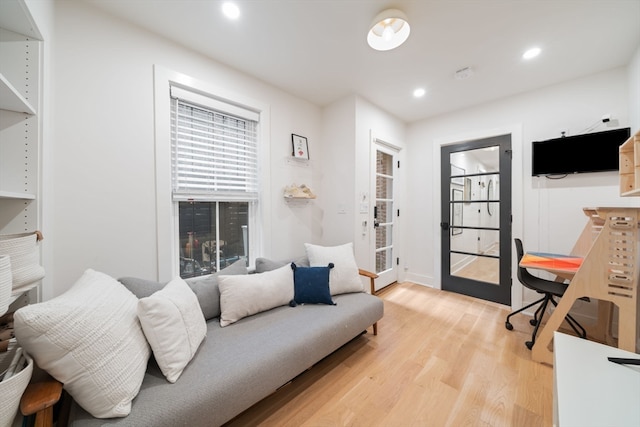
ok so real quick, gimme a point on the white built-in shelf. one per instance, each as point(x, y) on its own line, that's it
point(17, 293)
point(15, 16)
point(16, 195)
point(12, 100)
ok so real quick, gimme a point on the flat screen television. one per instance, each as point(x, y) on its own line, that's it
point(590, 152)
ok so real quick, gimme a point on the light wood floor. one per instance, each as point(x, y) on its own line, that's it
point(439, 359)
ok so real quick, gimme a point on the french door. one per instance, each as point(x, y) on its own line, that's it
point(385, 214)
point(476, 218)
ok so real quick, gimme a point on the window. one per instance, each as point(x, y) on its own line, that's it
point(214, 159)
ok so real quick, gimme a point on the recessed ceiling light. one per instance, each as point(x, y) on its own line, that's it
point(230, 10)
point(419, 92)
point(531, 53)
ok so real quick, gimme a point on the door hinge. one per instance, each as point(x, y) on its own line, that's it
point(398, 261)
point(398, 164)
point(398, 213)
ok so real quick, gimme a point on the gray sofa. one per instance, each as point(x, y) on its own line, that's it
point(238, 365)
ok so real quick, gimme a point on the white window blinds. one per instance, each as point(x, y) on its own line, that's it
point(214, 153)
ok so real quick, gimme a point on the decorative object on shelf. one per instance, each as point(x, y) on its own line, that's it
point(298, 192)
point(5, 283)
point(7, 335)
point(13, 382)
point(25, 257)
point(300, 147)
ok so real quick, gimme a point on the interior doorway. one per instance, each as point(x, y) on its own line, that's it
point(476, 218)
point(385, 212)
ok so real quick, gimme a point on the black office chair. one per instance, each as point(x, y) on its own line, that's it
point(550, 290)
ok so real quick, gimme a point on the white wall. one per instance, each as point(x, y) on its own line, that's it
point(549, 216)
point(371, 121)
point(101, 213)
point(338, 158)
point(347, 173)
point(99, 206)
point(634, 91)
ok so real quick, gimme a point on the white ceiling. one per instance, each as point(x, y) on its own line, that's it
point(317, 49)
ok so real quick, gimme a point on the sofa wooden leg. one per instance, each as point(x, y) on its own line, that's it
point(375, 328)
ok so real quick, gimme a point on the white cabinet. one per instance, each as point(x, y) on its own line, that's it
point(20, 119)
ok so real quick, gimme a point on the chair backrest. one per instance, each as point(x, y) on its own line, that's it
point(523, 275)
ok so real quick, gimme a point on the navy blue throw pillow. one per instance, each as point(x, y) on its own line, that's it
point(311, 285)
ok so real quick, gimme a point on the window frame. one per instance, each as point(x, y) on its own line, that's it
point(166, 208)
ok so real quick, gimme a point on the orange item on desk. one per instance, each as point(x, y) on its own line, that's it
point(547, 261)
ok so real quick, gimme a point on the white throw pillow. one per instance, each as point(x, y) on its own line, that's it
point(89, 338)
point(174, 326)
point(345, 276)
point(242, 296)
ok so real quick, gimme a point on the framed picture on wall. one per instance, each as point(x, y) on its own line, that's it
point(300, 147)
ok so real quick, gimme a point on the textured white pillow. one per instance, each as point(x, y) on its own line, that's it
point(174, 326)
point(89, 338)
point(344, 276)
point(242, 296)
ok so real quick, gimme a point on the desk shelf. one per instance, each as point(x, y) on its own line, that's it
point(630, 167)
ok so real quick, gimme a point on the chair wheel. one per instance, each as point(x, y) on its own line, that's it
point(508, 325)
point(533, 322)
point(529, 344)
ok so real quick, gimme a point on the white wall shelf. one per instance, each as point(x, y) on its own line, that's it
point(16, 196)
point(20, 136)
point(20, 129)
point(12, 100)
point(15, 16)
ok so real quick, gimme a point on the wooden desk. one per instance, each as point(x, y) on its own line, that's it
point(564, 266)
point(609, 273)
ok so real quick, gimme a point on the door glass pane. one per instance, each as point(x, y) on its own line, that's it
point(474, 234)
point(384, 259)
point(384, 211)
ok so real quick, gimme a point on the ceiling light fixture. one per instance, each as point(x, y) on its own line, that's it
point(419, 92)
point(230, 10)
point(388, 30)
point(531, 53)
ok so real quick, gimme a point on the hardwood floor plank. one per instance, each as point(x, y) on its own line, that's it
point(439, 359)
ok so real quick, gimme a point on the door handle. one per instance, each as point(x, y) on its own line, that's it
point(444, 225)
point(376, 224)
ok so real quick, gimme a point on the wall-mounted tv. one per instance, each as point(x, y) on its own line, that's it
point(591, 152)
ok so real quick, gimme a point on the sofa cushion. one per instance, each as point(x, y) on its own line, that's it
point(242, 296)
point(266, 264)
point(311, 285)
point(174, 326)
point(89, 338)
point(205, 288)
point(344, 276)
